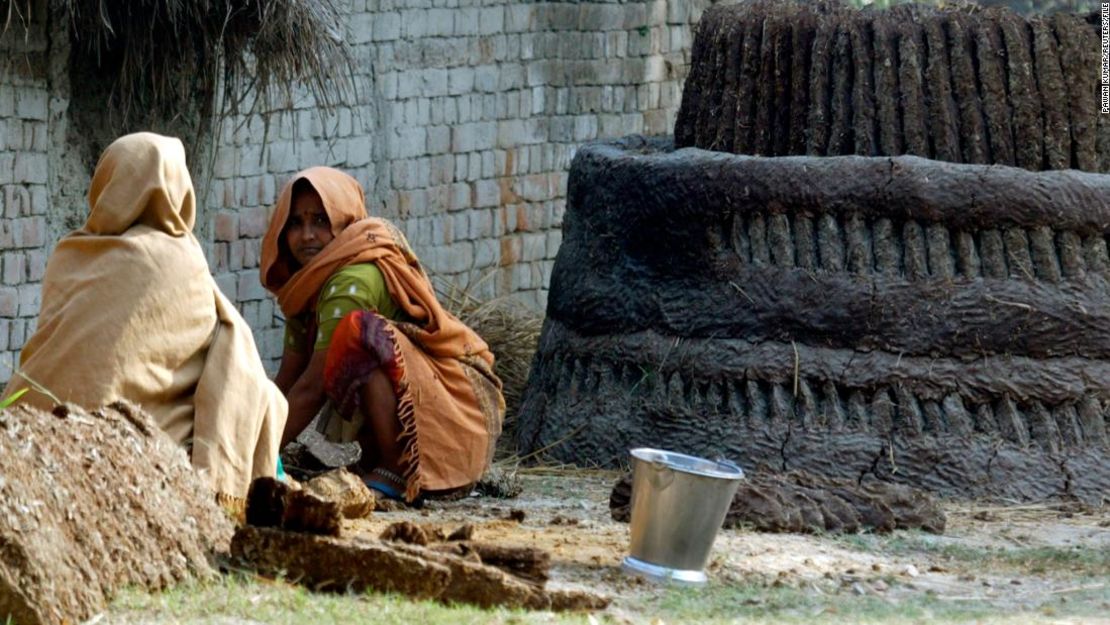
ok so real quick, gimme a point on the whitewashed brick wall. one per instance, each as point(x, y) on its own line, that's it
point(466, 116)
point(24, 149)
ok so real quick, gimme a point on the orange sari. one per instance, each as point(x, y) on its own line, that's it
point(449, 401)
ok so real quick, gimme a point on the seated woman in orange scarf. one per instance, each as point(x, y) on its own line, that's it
point(130, 311)
point(405, 378)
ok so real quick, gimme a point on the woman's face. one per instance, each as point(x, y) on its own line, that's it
point(308, 229)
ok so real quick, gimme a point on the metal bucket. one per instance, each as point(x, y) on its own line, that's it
point(678, 504)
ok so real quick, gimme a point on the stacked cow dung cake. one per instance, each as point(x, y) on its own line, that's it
point(800, 291)
point(958, 84)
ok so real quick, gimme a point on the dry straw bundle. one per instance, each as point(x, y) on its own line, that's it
point(165, 57)
point(512, 331)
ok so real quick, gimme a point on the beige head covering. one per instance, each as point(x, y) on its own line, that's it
point(130, 311)
point(142, 179)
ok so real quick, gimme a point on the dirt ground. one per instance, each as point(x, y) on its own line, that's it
point(1009, 557)
point(995, 564)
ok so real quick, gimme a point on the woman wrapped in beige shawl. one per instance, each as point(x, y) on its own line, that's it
point(130, 311)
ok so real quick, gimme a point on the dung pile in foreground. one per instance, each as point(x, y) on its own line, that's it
point(91, 502)
point(300, 535)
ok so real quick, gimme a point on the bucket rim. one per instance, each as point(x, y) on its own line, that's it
point(722, 469)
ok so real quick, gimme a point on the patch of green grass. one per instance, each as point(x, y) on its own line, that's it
point(248, 597)
point(276, 603)
point(1074, 561)
point(1078, 560)
point(792, 605)
point(11, 399)
point(757, 605)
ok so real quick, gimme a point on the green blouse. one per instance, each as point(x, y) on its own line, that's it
point(354, 287)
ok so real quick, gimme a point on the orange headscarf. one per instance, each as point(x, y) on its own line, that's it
point(344, 203)
point(360, 239)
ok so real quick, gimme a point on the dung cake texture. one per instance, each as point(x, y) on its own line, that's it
point(940, 325)
point(959, 84)
point(91, 502)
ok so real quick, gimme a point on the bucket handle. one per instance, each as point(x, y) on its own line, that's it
point(661, 475)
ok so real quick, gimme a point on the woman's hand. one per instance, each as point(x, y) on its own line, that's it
point(292, 366)
point(306, 396)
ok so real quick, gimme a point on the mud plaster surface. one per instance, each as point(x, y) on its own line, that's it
point(938, 324)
